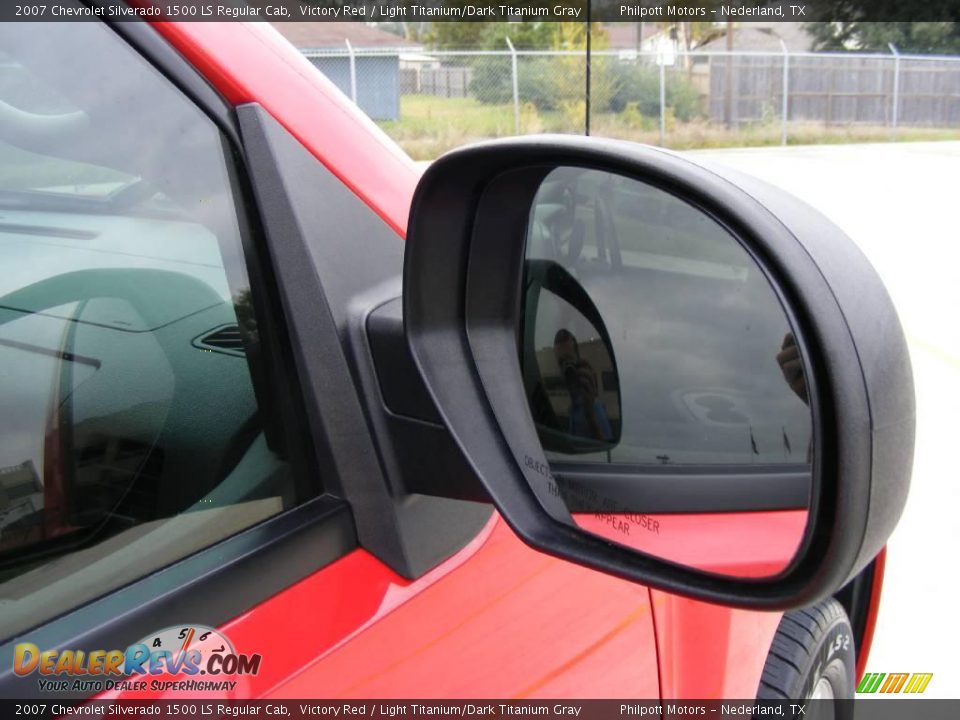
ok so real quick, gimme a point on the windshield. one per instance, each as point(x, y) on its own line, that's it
point(24, 171)
point(36, 111)
point(26, 100)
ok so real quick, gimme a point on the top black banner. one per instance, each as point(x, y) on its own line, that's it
point(495, 10)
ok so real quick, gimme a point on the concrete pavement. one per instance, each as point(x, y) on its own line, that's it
point(901, 204)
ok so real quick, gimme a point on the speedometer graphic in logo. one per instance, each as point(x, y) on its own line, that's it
point(198, 642)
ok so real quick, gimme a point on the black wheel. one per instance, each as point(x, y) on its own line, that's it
point(813, 658)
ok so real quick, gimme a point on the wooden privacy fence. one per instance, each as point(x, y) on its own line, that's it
point(836, 89)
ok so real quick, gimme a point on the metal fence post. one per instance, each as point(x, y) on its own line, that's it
point(516, 87)
point(663, 101)
point(786, 92)
point(895, 112)
point(353, 71)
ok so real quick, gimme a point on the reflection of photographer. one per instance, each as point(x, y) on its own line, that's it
point(588, 417)
point(791, 366)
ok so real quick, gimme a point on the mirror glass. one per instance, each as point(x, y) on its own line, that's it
point(663, 377)
point(568, 364)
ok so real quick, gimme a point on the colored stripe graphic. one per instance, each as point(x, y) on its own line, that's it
point(870, 682)
point(918, 682)
point(894, 683)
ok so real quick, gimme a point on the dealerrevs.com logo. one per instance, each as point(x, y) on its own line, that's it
point(178, 658)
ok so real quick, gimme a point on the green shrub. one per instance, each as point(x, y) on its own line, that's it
point(553, 83)
point(683, 98)
point(640, 85)
point(491, 82)
point(537, 82)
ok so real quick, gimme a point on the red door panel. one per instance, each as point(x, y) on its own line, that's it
point(709, 651)
point(509, 622)
point(497, 620)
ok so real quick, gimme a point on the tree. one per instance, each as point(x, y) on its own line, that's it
point(456, 35)
point(567, 76)
point(523, 35)
point(573, 36)
point(414, 31)
point(548, 82)
point(916, 37)
point(874, 24)
point(694, 34)
point(489, 35)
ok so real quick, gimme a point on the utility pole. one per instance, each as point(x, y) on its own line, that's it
point(586, 112)
point(728, 80)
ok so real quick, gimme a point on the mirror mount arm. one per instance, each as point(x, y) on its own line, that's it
point(427, 457)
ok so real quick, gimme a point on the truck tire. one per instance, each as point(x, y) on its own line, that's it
point(813, 658)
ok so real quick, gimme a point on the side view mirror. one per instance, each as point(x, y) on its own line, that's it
point(684, 379)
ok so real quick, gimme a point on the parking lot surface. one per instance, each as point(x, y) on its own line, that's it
point(901, 204)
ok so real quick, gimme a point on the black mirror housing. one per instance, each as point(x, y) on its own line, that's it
point(463, 278)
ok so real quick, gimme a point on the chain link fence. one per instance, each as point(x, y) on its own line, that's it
point(431, 101)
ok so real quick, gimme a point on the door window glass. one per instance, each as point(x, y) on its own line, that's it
point(130, 433)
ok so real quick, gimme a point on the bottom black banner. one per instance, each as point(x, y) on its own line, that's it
point(868, 709)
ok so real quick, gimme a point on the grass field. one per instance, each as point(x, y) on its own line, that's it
point(429, 126)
